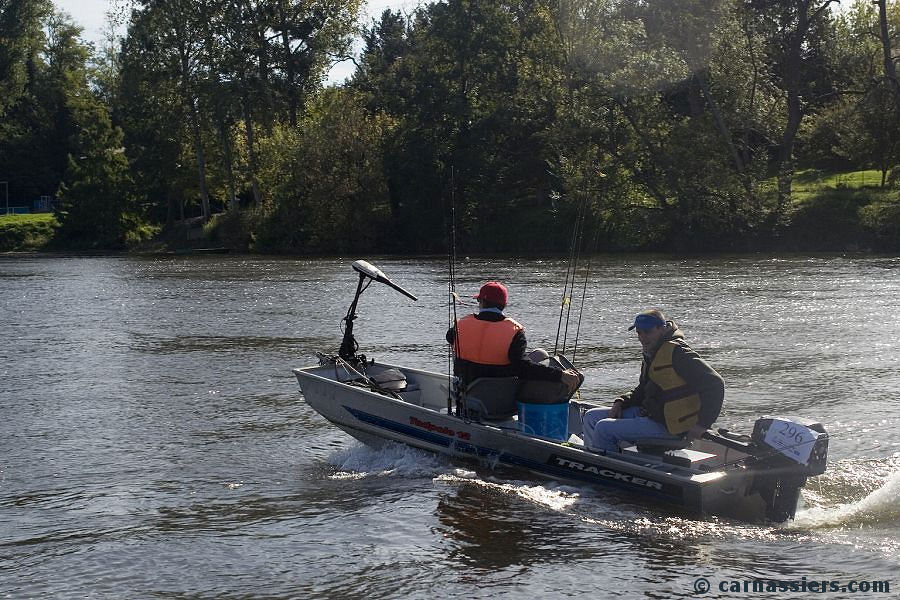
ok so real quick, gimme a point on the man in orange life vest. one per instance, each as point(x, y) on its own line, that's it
point(491, 344)
point(678, 393)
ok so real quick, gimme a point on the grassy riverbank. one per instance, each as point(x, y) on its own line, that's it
point(27, 232)
point(832, 211)
point(844, 211)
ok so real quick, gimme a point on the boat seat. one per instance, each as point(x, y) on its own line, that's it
point(660, 445)
point(674, 452)
point(491, 398)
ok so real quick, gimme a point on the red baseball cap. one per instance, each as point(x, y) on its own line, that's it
point(493, 292)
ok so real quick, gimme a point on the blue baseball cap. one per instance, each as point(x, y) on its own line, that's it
point(648, 320)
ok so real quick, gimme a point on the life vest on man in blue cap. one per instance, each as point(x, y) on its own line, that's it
point(485, 342)
point(676, 405)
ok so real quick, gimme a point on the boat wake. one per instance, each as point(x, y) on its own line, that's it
point(834, 504)
point(557, 498)
point(391, 460)
point(398, 460)
point(879, 480)
point(880, 506)
point(610, 512)
point(843, 508)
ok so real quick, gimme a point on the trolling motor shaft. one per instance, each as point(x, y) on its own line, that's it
point(367, 274)
point(349, 345)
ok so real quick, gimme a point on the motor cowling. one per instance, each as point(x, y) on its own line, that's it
point(804, 442)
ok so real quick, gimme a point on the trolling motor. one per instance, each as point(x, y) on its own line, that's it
point(367, 274)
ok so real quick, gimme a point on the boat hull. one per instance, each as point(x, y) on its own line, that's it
point(417, 420)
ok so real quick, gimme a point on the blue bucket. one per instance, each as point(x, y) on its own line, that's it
point(545, 420)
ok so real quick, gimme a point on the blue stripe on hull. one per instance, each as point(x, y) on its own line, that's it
point(508, 459)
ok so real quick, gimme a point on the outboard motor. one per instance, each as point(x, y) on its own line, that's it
point(786, 450)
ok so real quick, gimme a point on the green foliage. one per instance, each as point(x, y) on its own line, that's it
point(882, 220)
point(327, 181)
point(234, 229)
point(203, 81)
point(844, 219)
point(859, 129)
point(20, 24)
point(59, 137)
point(26, 232)
point(843, 210)
point(474, 88)
point(96, 209)
point(679, 125)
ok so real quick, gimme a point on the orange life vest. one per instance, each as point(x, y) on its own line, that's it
point(485, 342)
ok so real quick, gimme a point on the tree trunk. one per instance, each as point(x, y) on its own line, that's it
point(171, 207)
point(646, 176)
point(251, 150)
point(201, 160)
point(794, 109)
point(229, 160)
point(191, 108)
point(260, 27)
point(221, 125)
point(786, 155)
point(890, 70)
point(752, 100)
point(293, 101)
point(724, 131)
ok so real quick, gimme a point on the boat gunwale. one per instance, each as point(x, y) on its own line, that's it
point(656, 467)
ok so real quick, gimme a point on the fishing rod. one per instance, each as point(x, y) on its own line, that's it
point(453, 352)
point(571, 270)
point(565, 296)
point(575, 269)
point(587, 276)
point(364, 379)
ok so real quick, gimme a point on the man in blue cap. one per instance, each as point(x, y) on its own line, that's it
point(678, 395)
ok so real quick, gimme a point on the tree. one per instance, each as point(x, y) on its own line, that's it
point(473, 86)
point(311, 35)
point(96, 206)
point(646, 81)
point(158, 136)
point(890, 62)
point(861, 128)
point(20, 22)
point(798, 34)
point(28, 162)
point(379, 75)
point(329, 175)
point(171, 30)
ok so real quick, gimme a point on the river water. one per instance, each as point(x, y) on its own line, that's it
point(153, 441)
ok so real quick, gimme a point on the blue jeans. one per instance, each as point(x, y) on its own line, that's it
point(603, 433)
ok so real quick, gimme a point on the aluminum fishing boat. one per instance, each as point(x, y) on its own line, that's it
point(755, 477)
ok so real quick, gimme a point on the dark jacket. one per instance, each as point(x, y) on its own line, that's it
point(518, 366)
point(696, 372)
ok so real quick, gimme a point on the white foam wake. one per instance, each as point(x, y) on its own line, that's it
point(556, 498)
point(882, 505)
point(361, 461)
